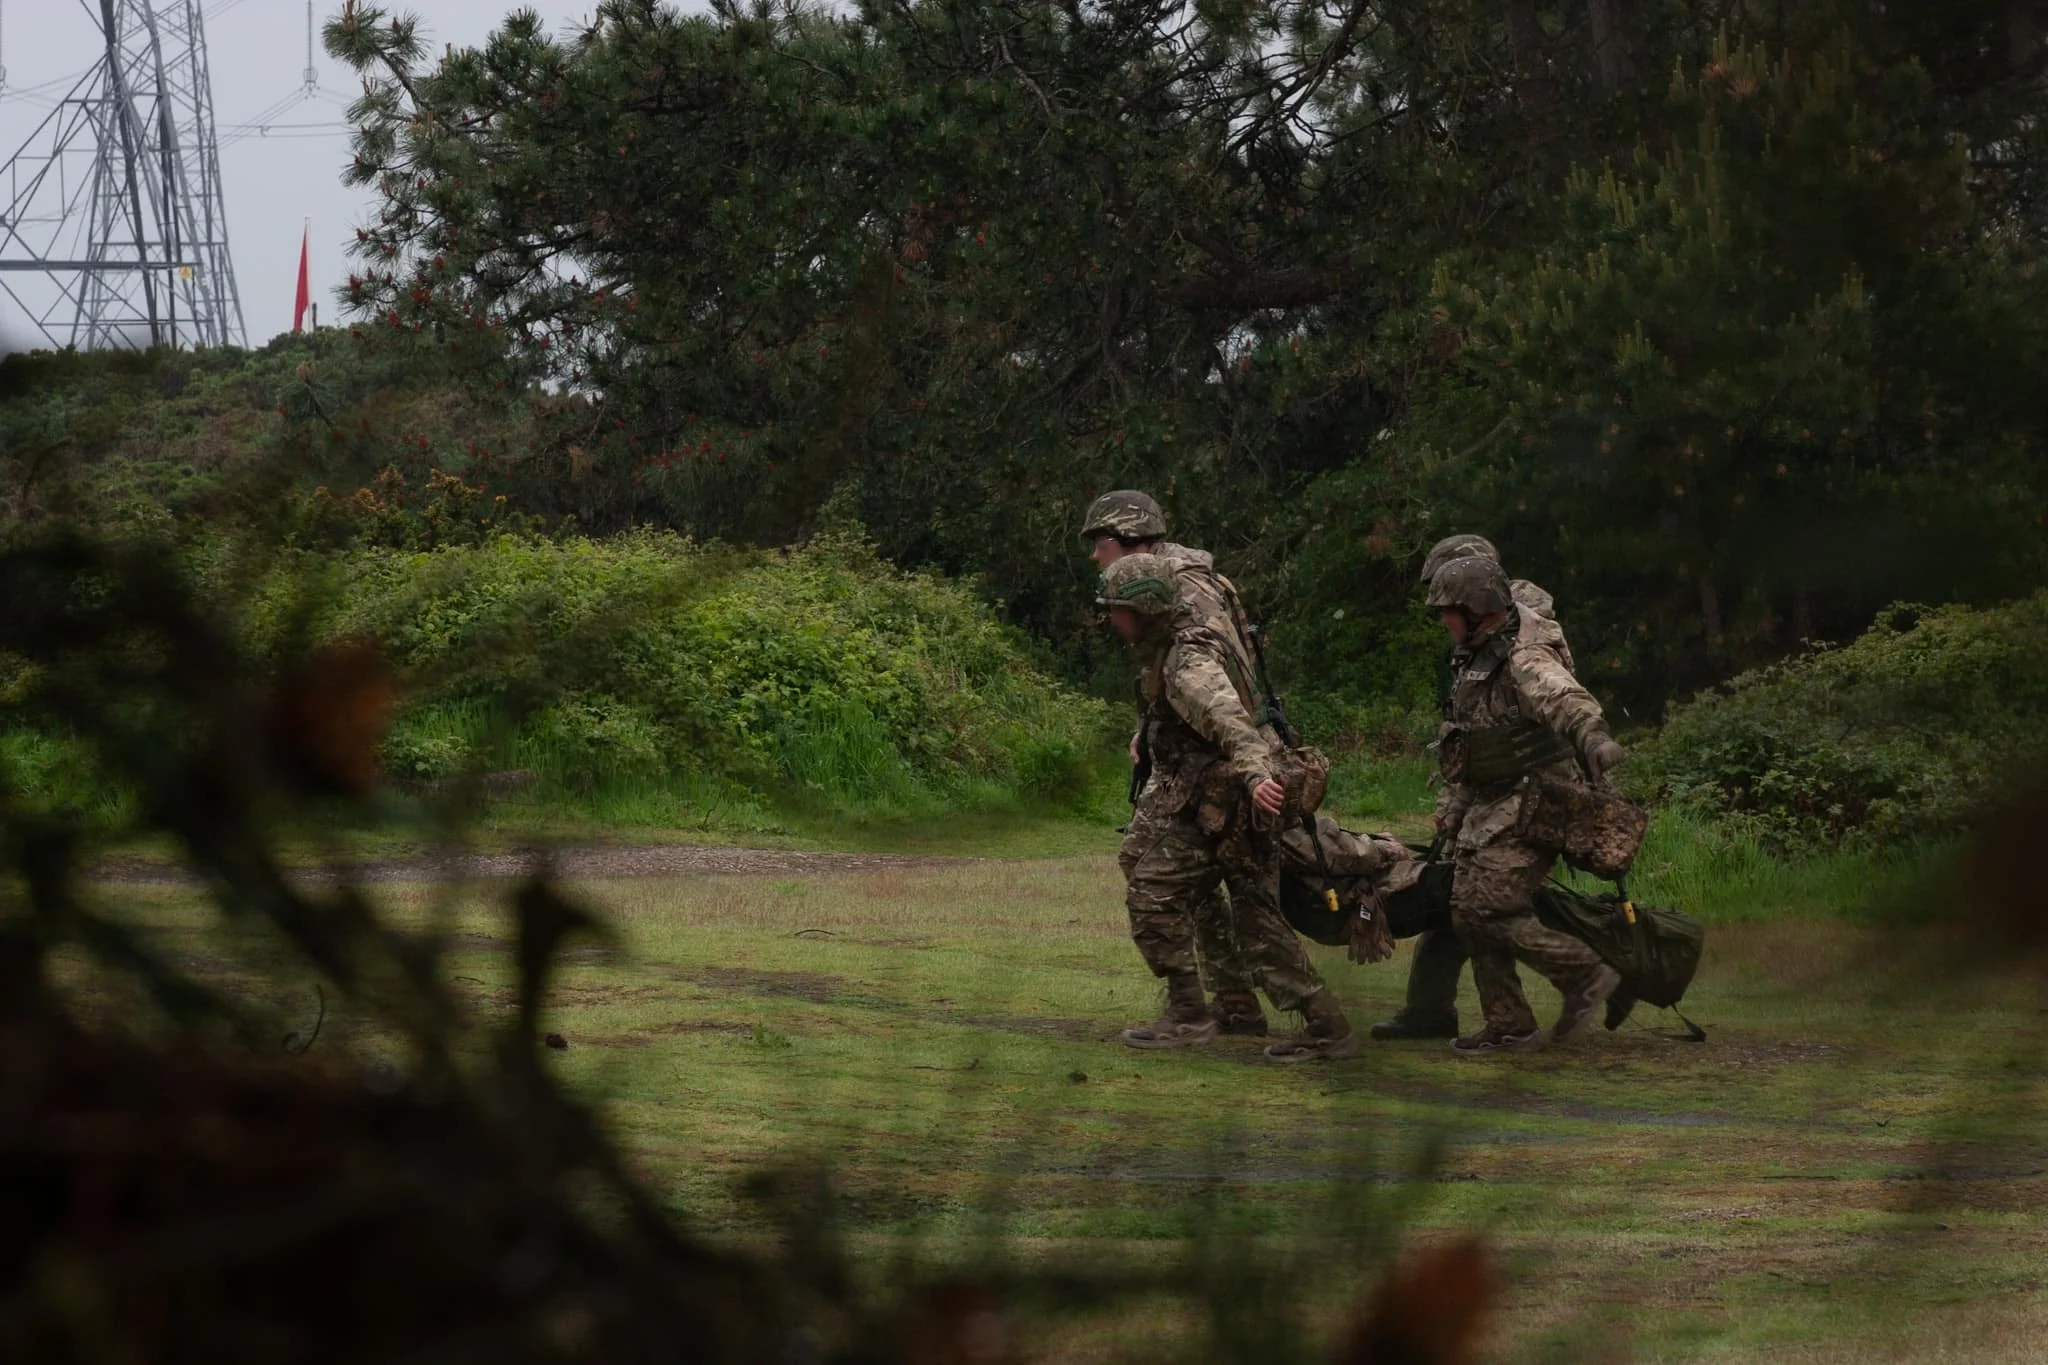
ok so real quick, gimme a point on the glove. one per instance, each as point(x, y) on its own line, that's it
point(1370, 939)
point(1603, 755)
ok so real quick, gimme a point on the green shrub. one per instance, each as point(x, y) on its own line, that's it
point(1895, 736)
point(59, 773)
point(819, 674)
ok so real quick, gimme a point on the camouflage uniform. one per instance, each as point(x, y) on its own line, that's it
point(1512, 679)
point(1212, 600)
point(1430, 1009)
point(1195, 825)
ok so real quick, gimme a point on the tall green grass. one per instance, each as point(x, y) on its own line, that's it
point(1720, 873)
point(1394, 794)
point(1724, 874)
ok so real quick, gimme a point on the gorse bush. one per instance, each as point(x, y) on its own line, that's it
point(1896, 736)
point(646, 658)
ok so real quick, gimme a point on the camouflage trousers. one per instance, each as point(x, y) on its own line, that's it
point(1172, 873)
point(1493, 909)
point(1224, 969)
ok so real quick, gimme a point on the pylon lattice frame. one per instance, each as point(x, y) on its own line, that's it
point(116, 197)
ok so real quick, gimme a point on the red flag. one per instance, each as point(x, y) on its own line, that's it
point(305, 291)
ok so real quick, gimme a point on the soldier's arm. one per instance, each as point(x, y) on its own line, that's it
point(1451, 797)
point(1201, 693)
point(1451, 800)
point(1552, 697)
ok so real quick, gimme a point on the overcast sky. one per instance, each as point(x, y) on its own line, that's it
point(273, 182)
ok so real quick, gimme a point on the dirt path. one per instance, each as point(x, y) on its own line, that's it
point(662, 860)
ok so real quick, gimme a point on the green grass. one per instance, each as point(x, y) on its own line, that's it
point(1390, 794)
point(1851, 1169)
point(1725, 876)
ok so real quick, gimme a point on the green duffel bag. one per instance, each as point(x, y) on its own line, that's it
point(1655, 948)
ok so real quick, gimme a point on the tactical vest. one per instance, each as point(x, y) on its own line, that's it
point(1491, 744)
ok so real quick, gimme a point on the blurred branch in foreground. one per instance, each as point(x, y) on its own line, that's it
point(177, 1186)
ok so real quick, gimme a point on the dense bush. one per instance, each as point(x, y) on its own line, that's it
point(647, 658)
point(1895, 736)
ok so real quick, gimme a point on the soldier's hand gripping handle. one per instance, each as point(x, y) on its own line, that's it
point(1601, 755)
point(1270, 797)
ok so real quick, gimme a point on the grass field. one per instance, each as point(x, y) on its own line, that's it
point(1852, 1168)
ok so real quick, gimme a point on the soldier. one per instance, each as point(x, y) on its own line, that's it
point(1516, 712)
point(1126, 522)
point(1431, 1009)
point(1208, 816)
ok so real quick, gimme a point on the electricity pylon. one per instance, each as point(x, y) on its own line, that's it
point(116, 197)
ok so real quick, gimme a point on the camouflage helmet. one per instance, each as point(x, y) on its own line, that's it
point(1475, 583)
point(1126, 514)
point(1142, 582)
point(1457, 547)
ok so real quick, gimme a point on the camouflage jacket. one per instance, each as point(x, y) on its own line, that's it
point(1533, 601)
point(1196, 712)
point(1518, 674)
point(1210, 598)
point(1538, 611)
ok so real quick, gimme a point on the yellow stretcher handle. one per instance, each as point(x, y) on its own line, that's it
point(1330, 898)
point(1628, 911)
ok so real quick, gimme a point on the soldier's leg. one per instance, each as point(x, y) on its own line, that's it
point(1431, 1009)
point(1493, 910)
point(1488, 892)
point(1271, 948)
point(1278, 961)
point(1224, 970)
point(1576, 970)
point(1168, 871)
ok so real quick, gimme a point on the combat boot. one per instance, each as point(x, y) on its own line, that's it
point(1186, 1022)
point(1404, 1026)
point(1325, 1036)
point(1592, 993)
point(1237, 1013)
point(1431, 1010)
point(1489, 1040)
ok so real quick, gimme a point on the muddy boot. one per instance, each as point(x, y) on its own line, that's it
point(1579, 1006)
point(1491, 1040)
point(1237, 1013)
point(1431, 1010)
point(1186, 1022)
point(1326, 1035)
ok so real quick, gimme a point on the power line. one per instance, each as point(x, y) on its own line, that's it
point(116, 199)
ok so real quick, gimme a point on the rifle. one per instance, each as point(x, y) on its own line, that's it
point(1276, 716)
point(1276, 710)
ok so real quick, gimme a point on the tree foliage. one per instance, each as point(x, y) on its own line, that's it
point(1327, 276)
